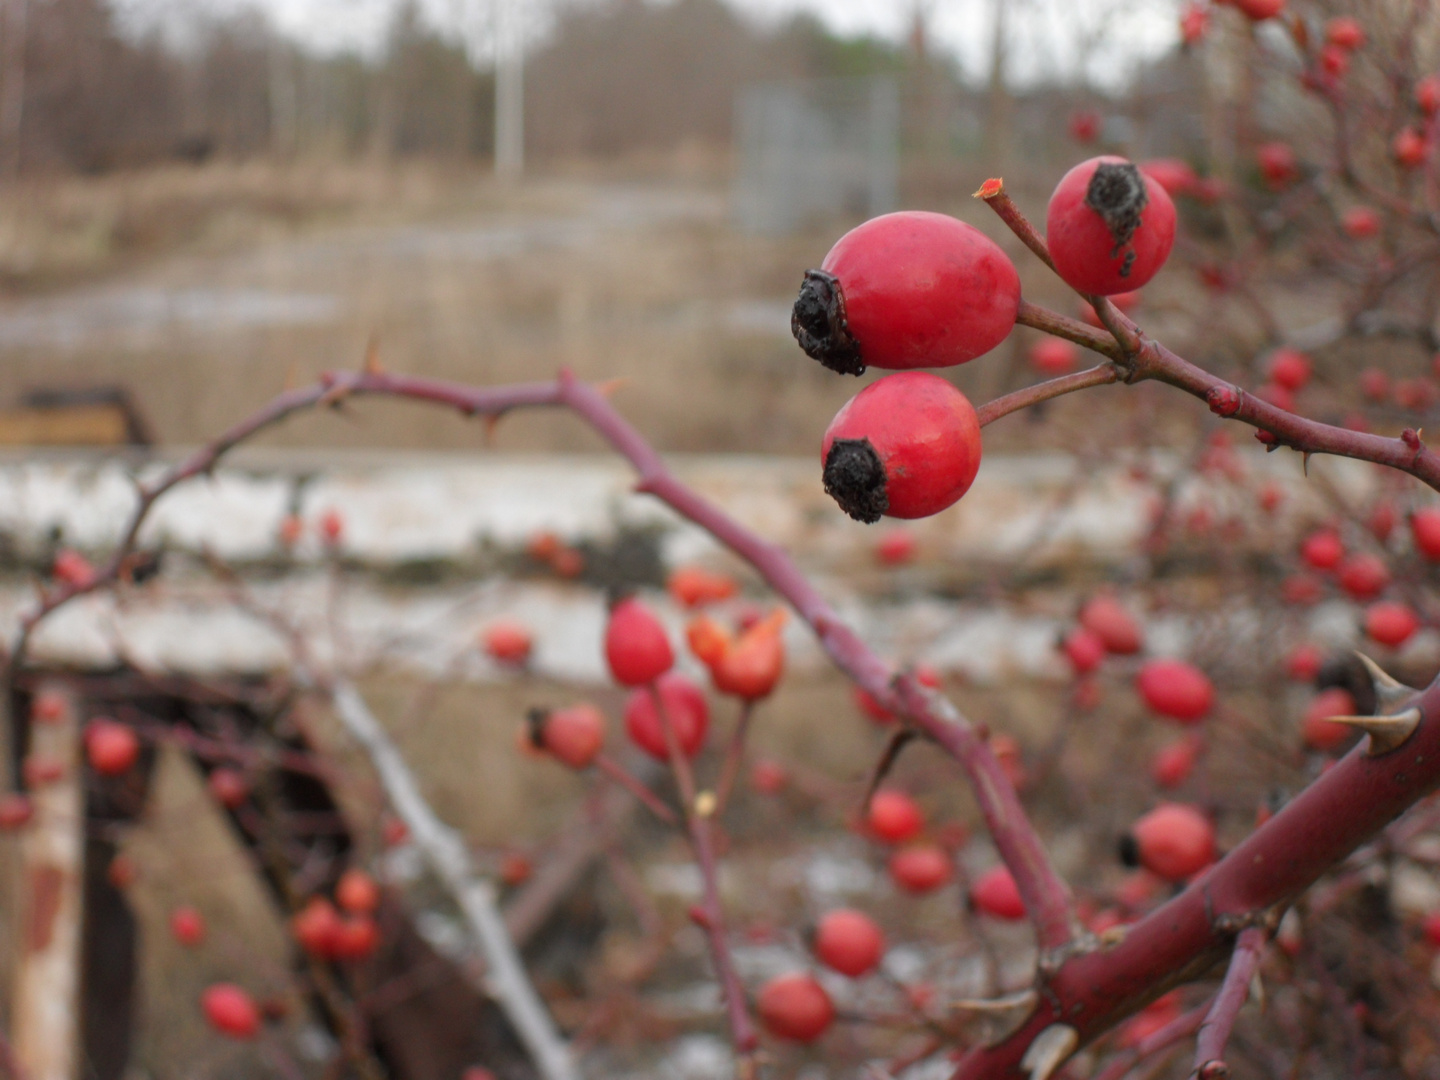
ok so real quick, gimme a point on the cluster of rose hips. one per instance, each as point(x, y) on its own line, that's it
point(922, 290)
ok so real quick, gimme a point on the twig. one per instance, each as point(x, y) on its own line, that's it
point(623, 777)
point(734, 757)
point(1100, 375)
point(699, 811)
point(1182, 1026)
point(505, 977)
point(1215, 1031)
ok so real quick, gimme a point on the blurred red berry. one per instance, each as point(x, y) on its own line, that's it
point(922, 868)
point(636, 645)
point(894, 816)
point(849, 942)
point(795, 1007)
point(994, 893)
point(1176, 690)
point(230, 1011)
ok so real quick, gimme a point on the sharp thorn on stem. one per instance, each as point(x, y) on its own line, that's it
point(1386, 732)
point(1389, 691)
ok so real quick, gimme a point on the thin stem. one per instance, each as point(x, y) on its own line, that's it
point(1063, 326)
point(622, 776)
point(1183, 1026)
point(994, 195)
point(698, 826)
point(734, 757)
point(1215, 1031)
point(1099, 375)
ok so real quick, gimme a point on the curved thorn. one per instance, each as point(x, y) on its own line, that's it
point(1388, 689)
point(1050, 1048)
point(1386, 732)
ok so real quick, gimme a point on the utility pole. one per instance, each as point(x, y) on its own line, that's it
point(509, 89)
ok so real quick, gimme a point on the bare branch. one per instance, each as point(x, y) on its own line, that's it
point(505, 977)
point(1215, 1031)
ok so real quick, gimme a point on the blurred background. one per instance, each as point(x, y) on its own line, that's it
point(203, 198)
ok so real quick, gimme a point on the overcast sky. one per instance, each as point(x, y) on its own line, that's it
point(1047, 36)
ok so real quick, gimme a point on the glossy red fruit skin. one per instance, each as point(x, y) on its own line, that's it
point(1425, 531)
point(1174, 841)
point(111, 747)
point(921, 869)
point(187, 926)
point(574, 735)
point(1093, 256)
point(1176, 690)
point(357, 892)
point(230, 1011)
point(994, 893)
point(1390, 624)
point(1317, 730)
point(795, 1007)
point(907, 446)
point(636, 645)
point(1104, 617)
point(907, 290)
point(1289, 368)
point(1364, 576)
point(686, 707)
point(894, 816)
point(16, 810)
point(849, 942)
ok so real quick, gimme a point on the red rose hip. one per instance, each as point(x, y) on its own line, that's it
point(906, 446)
point(1173, 841)
point(231, 1011)
point(111, 747)
point(907, 290)
point(1109, 226)
point(895, 817)
point(685, 707)
point(795, 1007)
point(1176, 690)
point(849, 942)
point(994, 893)
point(636, 645)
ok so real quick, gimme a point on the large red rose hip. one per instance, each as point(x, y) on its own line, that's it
point(795, 1007)
point(907, 290)
point(685, 708)
point(907, 445)
point(1110, 227)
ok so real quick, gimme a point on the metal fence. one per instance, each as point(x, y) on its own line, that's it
point(815, 149)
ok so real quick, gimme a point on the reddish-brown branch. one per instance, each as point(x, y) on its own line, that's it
point(1052, 322)
point(734, 757)
point(1250, 887)
point(1215, 1031)
point(1147, 359)
point(1099, 375)
point(623, 777)
point(698, 827)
